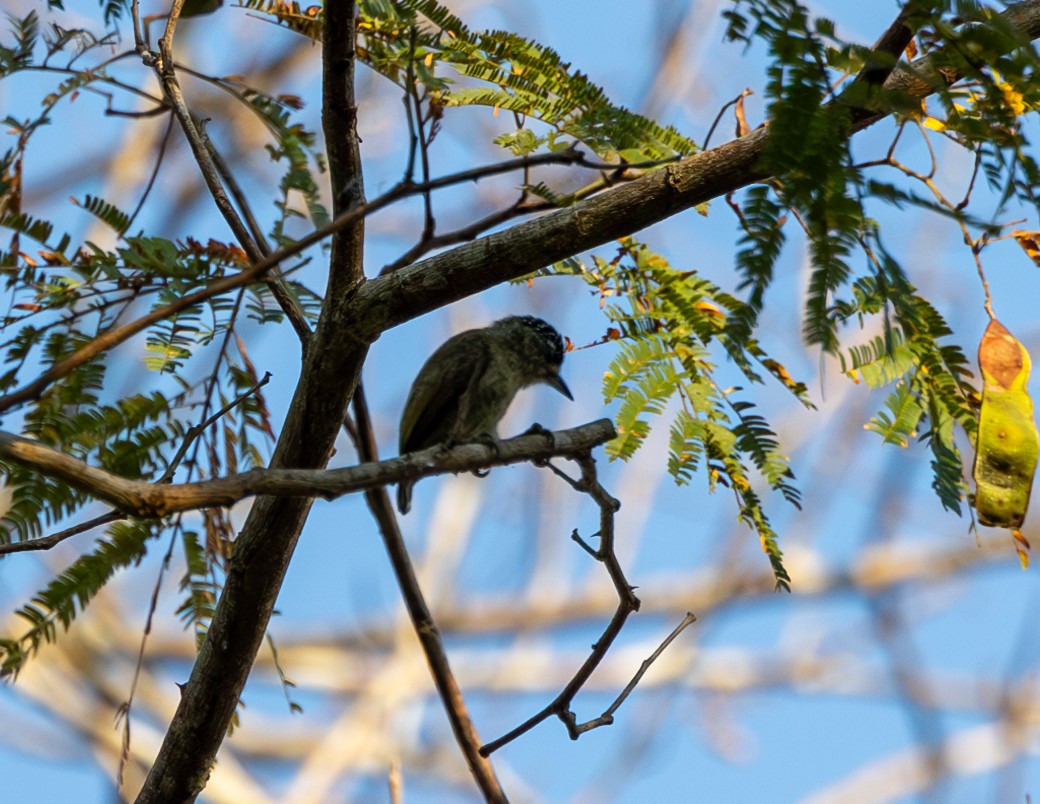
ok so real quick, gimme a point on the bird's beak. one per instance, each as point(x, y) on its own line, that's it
point(557, 382)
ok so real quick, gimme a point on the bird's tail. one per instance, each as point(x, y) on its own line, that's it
point(404, 496)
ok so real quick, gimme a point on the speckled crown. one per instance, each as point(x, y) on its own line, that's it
point(547, 335)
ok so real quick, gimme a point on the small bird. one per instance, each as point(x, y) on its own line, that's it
point(464, 388)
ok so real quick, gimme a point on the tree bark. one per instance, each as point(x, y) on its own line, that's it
point(331, 367)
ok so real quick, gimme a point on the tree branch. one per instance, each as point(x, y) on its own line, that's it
point(410, 292)
point(330, 372)
point(628, 603)
point(503, 256)
point(355, 314)
point(147, 499)
point(423, 624)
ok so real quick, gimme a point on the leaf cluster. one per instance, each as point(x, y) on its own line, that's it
point(671, 325)
point(930, 378)
point(414, 40)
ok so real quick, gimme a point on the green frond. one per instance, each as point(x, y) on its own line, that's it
point(669, 325)
point(763, 238)
point(685, 447)
point(19, 54)
point(38, 229)
point(419, 38)
point(948, 479)
point(113, 10)
point(439, 16)
point(107, 213)
point(880, 361)
point(68, 594)
point(756, 439)
point(752, 513)
point(932, 389)
point(71, 85)
point(652, 385)
point(198, 607)
point(899, 425)
point(542, 190)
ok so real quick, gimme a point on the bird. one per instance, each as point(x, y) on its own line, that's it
point(464, 388)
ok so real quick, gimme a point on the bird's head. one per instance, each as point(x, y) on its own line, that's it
point(538, 348)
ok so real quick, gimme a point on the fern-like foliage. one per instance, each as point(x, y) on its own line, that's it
point(930, 377)
point(18, 54)
point(58, 604)
point(670, 324)
point(816, 180)
point(107, 213)
point(201, 588)
point(495, 69)
point(807, 152)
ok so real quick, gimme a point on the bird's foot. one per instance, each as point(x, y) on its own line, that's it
point(492, 442)
point(537, 429)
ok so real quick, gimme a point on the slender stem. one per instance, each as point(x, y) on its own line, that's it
point(422, 620)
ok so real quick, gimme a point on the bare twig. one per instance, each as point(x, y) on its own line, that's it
point(123, 712)
point(155, 169)
point(607, 718)
point(722, 111)
point(47, 542)
point(627, 604)
point(463, 235)
point(200, 428)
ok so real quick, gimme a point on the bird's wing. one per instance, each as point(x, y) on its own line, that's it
point(434, 401)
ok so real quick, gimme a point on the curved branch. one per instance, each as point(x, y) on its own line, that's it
point(146, 499)
point(468, 269)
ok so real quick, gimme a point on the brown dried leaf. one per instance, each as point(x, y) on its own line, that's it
point(1000, 355)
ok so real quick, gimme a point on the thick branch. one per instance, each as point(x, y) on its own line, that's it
point(145, 499)
point(331, 367)
point(474, 267)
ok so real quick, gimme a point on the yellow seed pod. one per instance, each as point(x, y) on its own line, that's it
point(1008, 444)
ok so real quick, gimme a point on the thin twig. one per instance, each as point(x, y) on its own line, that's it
point(722, 111)
point(47, 542)
point(123, 712)
point(628, 603)
point(200, 428)
point(413, 138)
point(429, 224)
point(422, 620)
point(276, 283)
point(155, 170)
point(607, 718)
point(463, 235)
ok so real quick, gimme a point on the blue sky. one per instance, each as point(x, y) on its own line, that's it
point(769, 697)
